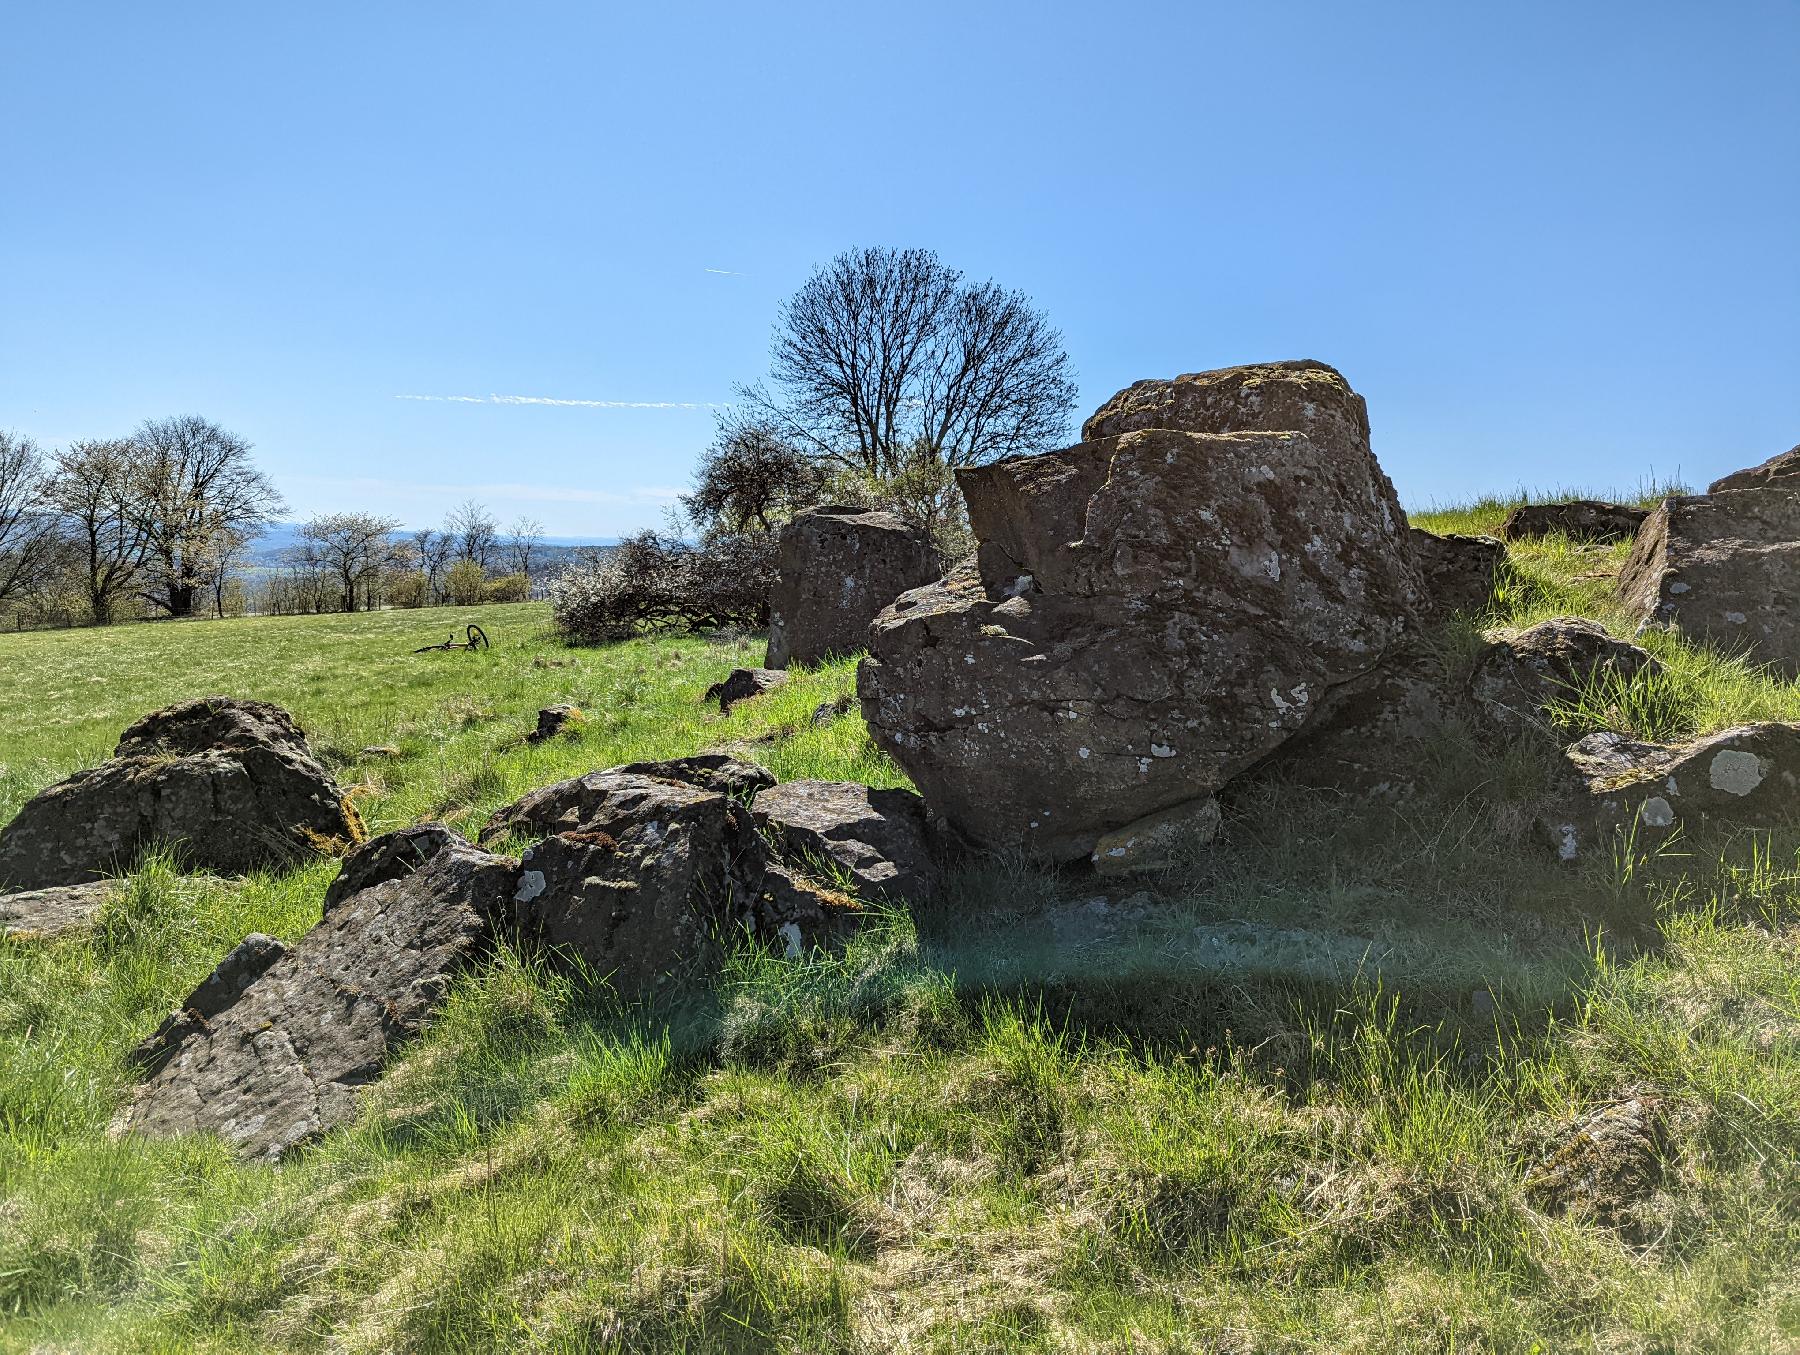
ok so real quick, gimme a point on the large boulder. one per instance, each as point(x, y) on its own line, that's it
point(838, 568)
point(1584, 519)
point(1523, 674)
point(279, 1059)
point(1778, 472)
point(1150, 612)
point(879, 838)
point(228, 785)
point(1618, 790)
point(1723, 569)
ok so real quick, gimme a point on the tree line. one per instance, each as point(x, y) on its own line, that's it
point(162, 524)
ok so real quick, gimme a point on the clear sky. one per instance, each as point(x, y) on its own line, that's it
point(1553, 244)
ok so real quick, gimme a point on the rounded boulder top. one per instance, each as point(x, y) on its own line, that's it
point(1294, 396)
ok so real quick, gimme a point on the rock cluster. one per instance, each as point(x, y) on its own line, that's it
point(641, 874)
point(228, 785)
point(1150, 612)
point(838, 568)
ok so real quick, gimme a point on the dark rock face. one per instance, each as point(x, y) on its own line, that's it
point(555, 720)
point(741, 684)
point(1522, 674)
point(1152, 611)
point(1778, 472)
point(1747, 777)
point(230, 785)
point(1723, 569)
point(710, 771)
point(281, 1062)
point(1584, 519)
point(605, 802)
point(879, 837)
point(1459, 571)
point(46, 913)
point(799, 914)
point(838, 568)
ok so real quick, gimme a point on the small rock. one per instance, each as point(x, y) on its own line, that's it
point(555, 720)
point(1583, 519)
point(1609, 1161)
point(744, 683)
point(710, 771)
point(1157, 841)
point(1524, 672)
point(387, 750)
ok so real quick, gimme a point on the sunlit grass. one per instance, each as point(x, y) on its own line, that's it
point(1286, 1098)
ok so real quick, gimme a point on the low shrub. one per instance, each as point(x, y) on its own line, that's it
point(656, 582)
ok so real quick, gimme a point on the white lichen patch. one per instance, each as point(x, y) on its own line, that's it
point(531, 884)
point(1657, 812)
point(1735, 771)
point(790, 934)
point(1736, 618)
point(1678, 587)
point(1161, 750)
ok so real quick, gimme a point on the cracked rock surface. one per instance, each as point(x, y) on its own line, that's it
point(278, 1060)
point(1150, 612)
point(878, 837)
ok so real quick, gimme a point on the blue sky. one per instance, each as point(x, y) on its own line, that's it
point(1552, 244)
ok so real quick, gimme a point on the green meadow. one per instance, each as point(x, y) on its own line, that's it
point(1295, 1095)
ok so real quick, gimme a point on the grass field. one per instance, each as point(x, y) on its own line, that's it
point(1292, 1097)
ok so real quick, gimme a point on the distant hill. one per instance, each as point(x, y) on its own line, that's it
point(279, 536)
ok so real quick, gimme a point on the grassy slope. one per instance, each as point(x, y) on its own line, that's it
point(1269, 1113)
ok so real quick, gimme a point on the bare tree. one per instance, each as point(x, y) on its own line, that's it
point(351, 547)
point(195, 479)
point(751, 476)
point(885, 354)
point(433, 551)
point(27, 527)
point(475, 533)
point(522, 541)
point(93, 488)
point(218, 557)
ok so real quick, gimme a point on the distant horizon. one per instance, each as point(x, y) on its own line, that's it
point(1549, 245)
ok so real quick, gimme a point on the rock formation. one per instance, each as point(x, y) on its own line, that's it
point(838, 568)
point(229, 785)
point(1583, 519)
point(1778, 472)
point(1723, 569)
point(1151, 611)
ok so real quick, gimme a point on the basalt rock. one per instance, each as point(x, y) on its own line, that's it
point(246, 963)
point(1723, 569)
point(228, 785)
point(1584, 519)
point(1617, 790)
point(838, 568)
point(553, 721)
point(1778, 472)
point(1522, 675)
point(1151, 611)
point(880, 838)
point(280, 1059)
